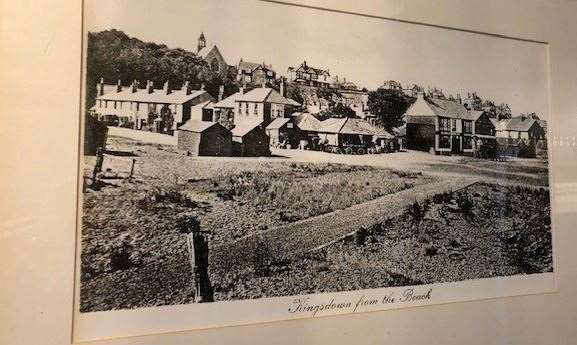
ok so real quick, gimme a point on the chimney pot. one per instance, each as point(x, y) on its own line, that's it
point(150, 86)
point(119, 86)
point(101, 87)
point(166, 88)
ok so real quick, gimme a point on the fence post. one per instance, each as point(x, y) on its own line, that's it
point(99, 161)
point(198, 250)
point(132, 167)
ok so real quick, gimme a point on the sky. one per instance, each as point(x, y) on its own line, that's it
point(366, 51)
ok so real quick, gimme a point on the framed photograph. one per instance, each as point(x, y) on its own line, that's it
point(254, 161)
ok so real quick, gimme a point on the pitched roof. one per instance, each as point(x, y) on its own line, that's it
point(333, 125)
point(308, 68)
point(203, 53)
point(265, 94)
point(251, 66)
point(278, 123)
point(229, 102)
point(441, 107)
point(519, 124)
point(359, 126)
point(243, 128)
point(197, 126)
point(307, 122)
point(157, 96)
point(246, 65)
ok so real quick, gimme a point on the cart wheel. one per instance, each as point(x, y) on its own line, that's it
point(336, 150)
point(349, 151)
point(361, 151)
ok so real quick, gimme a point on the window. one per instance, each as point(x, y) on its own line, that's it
point(453, 125)
point(255, 109)
point(444, 141)
point(137, 106)
point(468, 127)
point(443, 124)
point(246, 108)
point(114, 104)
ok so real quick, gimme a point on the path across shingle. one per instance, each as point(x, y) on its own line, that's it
point(288, 241)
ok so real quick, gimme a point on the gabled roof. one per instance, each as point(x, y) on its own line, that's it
point(203, 53)
point(352, 126)
point(333, 125)
point(441, 107)
point(197, 110)
point(229, 102)
point(278, 123)
point(519, 124)
point(243, 128)
point(197, 126)
point(264, 94)
point(157, 96)
point(360, 126)
point(473, 115)
point(308, 68)
point(251, 66)
point(306, 122)
point(543, 124)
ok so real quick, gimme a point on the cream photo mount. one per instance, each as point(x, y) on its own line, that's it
point(173, 318)
point(166, 319)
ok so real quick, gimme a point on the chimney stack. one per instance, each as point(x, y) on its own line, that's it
point(202, 86)
point(134, 86)
point(263, 85)
point(119, 86)
point(166, 88)
point(282, 86)
point(186, 87)
point(241, 90)
point(220, 92)
point(149, 86)
point(101, 87)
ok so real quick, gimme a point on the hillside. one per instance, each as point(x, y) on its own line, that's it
point(113, 55)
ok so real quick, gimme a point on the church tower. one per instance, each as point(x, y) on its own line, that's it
point(201, 43)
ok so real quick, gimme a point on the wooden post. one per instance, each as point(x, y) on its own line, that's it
point(99, 161)
point(132, 167)
point(198, 250)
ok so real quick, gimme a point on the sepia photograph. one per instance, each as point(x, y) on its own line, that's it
point(247, 150)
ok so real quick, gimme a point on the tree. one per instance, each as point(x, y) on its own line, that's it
point(295, 92)
point(338, 111)
point(503, 111)
point(389, 106)
point(113, 55)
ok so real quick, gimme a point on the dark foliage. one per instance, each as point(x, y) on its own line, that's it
point(113, 55)
point(389, 106)
point(338, 111)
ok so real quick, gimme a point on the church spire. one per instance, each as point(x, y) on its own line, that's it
point(201, 42)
